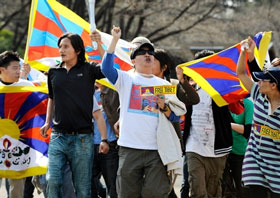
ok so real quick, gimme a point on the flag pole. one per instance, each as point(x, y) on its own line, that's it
point(30, 25)
point(91, 13)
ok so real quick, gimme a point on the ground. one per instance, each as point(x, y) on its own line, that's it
point(3, 193)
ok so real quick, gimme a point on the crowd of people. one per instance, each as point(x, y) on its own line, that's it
point(137, 142)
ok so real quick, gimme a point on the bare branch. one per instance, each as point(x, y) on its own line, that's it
point(121, 22)
point(128, 26)
point(203, 18)
point(124, 9)
point(20, 39)
point(139, 26)
point(8, 19)
point(101, 11)
point(110, 15)
point(165, 26)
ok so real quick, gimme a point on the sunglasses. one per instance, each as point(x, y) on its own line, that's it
point(143, 52)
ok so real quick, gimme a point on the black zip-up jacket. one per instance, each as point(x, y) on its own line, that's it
point(72, 93)
point(223, 132)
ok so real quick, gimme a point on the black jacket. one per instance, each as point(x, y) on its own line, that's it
point(72, 93)
point(253, 67)
point(222, 120)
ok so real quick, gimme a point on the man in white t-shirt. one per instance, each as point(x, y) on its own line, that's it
point(141, 172)
point(10, 76)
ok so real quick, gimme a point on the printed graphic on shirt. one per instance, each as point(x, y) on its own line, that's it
point(203, 129)
point(142, 104)
point(267, 131)
point(154, 90)
point(204, 126)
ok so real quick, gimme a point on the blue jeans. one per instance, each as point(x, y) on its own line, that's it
point(107, 165)
point(68, 188)
point(78, 151)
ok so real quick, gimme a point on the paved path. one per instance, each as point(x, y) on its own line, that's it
point(3, 193)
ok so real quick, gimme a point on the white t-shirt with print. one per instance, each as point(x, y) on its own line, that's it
point(138, 114)
point(202, 132)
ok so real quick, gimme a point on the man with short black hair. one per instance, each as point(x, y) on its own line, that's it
point(10, 76)
point(71, 88)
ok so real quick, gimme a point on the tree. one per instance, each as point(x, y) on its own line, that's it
point(6, 38)
point(134, 17)
point(157, 20)
point(14, 17)
point(174, 26)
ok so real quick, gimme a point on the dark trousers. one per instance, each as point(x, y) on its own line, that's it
point(256, 191)
point(141, 174)
point(107, 165)
point(232, 185)
point(185, 183)
point(28, 188)
point(172, 194)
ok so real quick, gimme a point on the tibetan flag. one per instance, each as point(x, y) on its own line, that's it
point(23, 151)
point(48, 21)
point(216, 74)
point(262, 40)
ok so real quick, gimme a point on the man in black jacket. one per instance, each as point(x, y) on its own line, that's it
point(71, 88)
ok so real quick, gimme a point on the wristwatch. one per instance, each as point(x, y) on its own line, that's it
point(105, 140)
point(165, 108)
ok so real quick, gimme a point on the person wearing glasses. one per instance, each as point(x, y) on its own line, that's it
point(141, 171)
point(261, 165)
point(10, 77)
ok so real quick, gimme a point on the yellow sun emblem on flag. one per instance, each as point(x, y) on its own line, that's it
point(10, 128)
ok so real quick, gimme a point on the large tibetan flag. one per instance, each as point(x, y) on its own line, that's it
point(23, 151)
point(216, 74)
point(48, 21)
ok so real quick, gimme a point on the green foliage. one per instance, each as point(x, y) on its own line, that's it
point(6, 40)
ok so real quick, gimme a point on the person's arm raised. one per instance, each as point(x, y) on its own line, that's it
point(250, 50)
point(95, 36)
point(252, 63)
point(108, 61)
point(240, 70)
point(116, 33)
point(185, 92)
